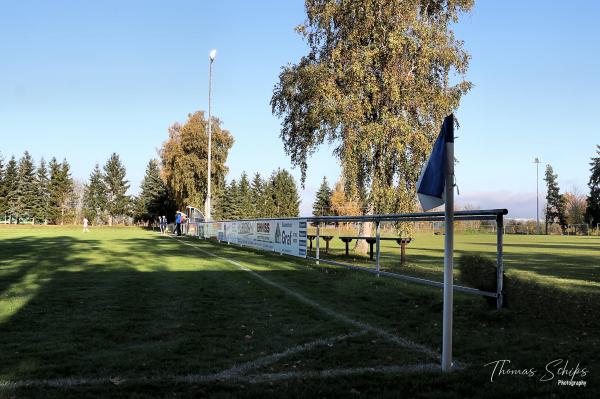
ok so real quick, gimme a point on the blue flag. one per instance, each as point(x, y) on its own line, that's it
point(432, 181)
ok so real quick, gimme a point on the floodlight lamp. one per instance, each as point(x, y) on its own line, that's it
point(212, 54)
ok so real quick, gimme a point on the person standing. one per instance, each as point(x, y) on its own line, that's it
point(163, 224)
point(178, 223)
point(85, 225)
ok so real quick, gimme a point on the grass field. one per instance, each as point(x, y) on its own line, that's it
point(124, 312)
point(571, 263)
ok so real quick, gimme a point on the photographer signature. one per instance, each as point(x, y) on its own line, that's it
point(558, 368)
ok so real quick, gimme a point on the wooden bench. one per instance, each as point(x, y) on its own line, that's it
point(372, 240)
point(311, 237)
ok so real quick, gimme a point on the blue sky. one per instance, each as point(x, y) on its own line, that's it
point(84, 79)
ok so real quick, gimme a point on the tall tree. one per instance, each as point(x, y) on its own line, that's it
point(574, 206)
point(269, 208)
point(61, 191)
point(76, 211)
point(342, 204)
point(257, 192)
point(231, 202)
point(245, 197)
point(54, 190)
point(153, 200)
point(42, 199)
point(184, 159)
point(592, 211)
point(95, 197)
point(2, 205)
point(555, 202)
point(218, 196)
point(322, 204)
point(26, 190)
point(9, 189)
point(116, 188)
point(377, 82)
point(284, 194)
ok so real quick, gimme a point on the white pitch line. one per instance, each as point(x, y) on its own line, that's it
point(342, 372)
point(235, 373)
point(56, 382)
point(238, 370)
point(359, 324)
point(210, 378)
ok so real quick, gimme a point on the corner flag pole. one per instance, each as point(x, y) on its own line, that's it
point(448, 251)
point(435, 188)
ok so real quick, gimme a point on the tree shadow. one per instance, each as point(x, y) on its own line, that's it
point(107, 315)
point(40, 256)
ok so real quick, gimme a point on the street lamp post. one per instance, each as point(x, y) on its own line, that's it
point(207, 206)
point(537, 193)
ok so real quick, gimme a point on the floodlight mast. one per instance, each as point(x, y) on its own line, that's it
point(207, 207)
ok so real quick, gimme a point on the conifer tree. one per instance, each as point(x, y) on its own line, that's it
point(54, 209)
point(1, 185)
point(2, 199)
point(116, 187)
point(244, 197)
point(592, 212)
point(42, 199)
point(555, 202)
point(257, 194)
point(94, 197)
point(61, 191)
point(322, 204)
point(286, 200)
point(231, 203)
point(25, 188)
point(153, 199)
point(218, 197)
point(9, 190)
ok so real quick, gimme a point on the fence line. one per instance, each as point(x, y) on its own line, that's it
point(200, 229)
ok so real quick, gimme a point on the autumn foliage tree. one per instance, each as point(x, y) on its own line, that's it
point(343, 204)
point(379, 77)
point(184, 159)
point(574, 207)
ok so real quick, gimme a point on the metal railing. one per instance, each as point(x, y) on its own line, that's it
point(496, 215)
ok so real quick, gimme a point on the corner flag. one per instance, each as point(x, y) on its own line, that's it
point(431, 183)
point(434, 188)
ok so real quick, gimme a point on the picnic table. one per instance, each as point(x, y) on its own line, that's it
point(372, 240)
point(311, 237)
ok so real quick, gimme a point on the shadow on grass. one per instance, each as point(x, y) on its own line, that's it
point(41, 256)
point(102, 315)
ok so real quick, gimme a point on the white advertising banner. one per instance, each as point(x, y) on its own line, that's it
point(286, 236)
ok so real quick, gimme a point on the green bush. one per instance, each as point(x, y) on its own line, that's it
point(478, 272)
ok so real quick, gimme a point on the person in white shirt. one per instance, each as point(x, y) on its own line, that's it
point(85, 225)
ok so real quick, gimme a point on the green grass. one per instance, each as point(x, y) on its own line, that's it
point(146, 310)
point(571, 263)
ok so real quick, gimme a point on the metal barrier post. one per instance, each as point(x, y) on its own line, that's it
point(499, 261)
point(317, 243)
point(377, 246)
